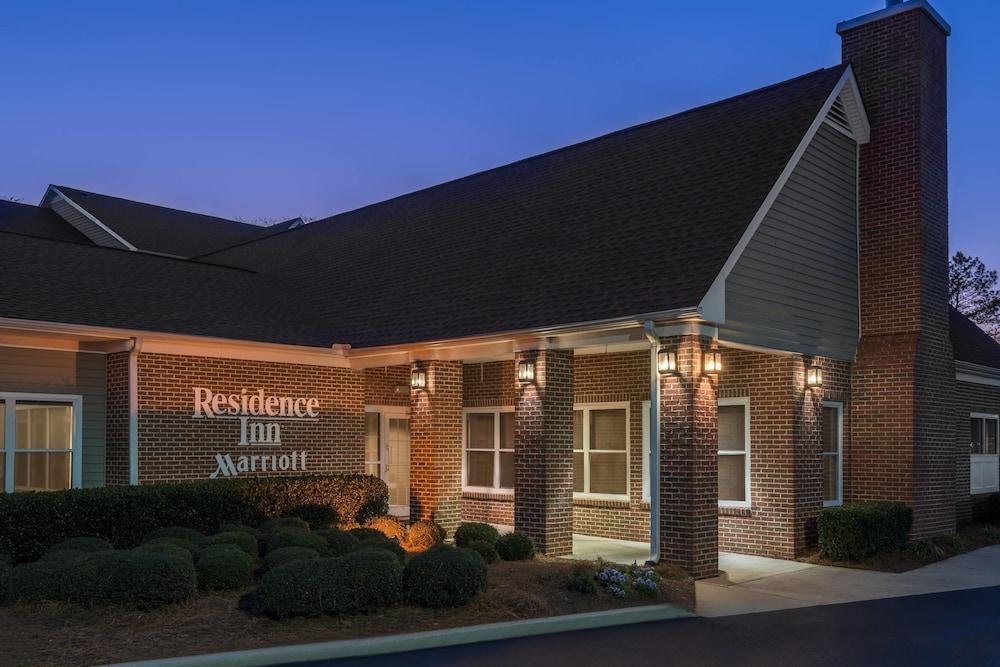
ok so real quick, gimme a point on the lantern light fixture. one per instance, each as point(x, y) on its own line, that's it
point(814, 376)
point(525, 370)
point(713, 362)
point(666, 362)
point(418, 378)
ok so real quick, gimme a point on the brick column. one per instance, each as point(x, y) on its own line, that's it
point(806, 450)
point(543, 458)
point(689, 474)
point(436, 444)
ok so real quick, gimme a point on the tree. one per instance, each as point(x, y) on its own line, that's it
point(973, 292)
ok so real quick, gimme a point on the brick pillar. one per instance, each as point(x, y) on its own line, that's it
point(902, 415)
point(543, 458)
point(689, 475)
point(116, 456)
point(436, 444)
point(806, 451)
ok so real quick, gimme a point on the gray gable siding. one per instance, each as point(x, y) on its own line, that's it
point(25, 370)
point(795, 287)
point(83, 224)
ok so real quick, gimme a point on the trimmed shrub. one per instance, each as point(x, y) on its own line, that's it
point(224, 567)
point(176, 532)
point(444, 578)
point(288, 537)
point(858, 530)
point(245, 541)
point(6, 583)
point(422, 535)
point(475, 532)
point(167, 549)
point(63, 556)
point(32, 522)
point(484, 549)
point(339, 542)
point(363, 534)
point(361, 581)
point(282, 523)
point(384, 544)
point(238, 528)
point(515, 546)
point(284, 555)
point(582, 580)
point(131, 579)
point(389, 526)
point(41, 580)
point(86, 544)
point(187, 545)
point(317, 516)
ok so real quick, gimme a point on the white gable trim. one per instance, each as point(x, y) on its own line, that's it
point(54, 191)
point(713, 305)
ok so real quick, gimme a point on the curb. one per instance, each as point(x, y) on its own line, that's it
point(349, 648)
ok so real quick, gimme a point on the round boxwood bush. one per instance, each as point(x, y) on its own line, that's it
point(178, 532)
point(63, 556)
point(284, 555)
point(187, 545)
point(389, 526)
point(444, 578)
point(224, 567)
point(288, 537)
point(6, 583)
point(422, 535)
point(484, 549)
point(167, 549)
point(317, 516)
point(132, 579)
point(238, 528)
point(363, 534)
point(515, 546)
point(339, 542)
point(475, 532)
point(390, 546)
point(41, 580)
point(282, 523)
point(245, 541)
point(358, 582)
point(83, 543)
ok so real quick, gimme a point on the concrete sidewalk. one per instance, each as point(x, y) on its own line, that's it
point(753, 584)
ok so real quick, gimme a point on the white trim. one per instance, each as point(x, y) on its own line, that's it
point(90, 217)
point(497, 441)
point(892, 10)
point(10, 400)
point(745, 402)
point(713, 305)
point(839, 406)
point(990, 460)
point(133, 410)
point(385, 413)
point(977, 374)
point(586, 408)
point(645, 450)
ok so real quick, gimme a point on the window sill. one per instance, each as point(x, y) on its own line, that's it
point(726, 510)
point(601, 501)
point(504, 495)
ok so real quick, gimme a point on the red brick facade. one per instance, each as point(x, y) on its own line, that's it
point(116, 460)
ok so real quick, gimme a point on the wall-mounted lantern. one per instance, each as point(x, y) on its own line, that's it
point(713, 362)
point(814, 376)
point(525, 371)
point(418, 378)
point(666, 362)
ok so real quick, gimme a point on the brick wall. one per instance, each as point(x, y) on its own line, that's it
point(387, 386)
point(173, 446)
point(116, 459)
point(970, 398)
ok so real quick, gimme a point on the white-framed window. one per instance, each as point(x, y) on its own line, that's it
point(734, 452)
point(488, 461)
point(40, 441)
point(984, 461)
point(833, 453)
point(600, 450)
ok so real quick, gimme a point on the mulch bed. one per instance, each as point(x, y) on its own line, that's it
point(922, 552)
point(55, 634)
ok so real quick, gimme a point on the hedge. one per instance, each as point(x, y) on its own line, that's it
point(132, 579)
point(476, 532)
point(281, 522)
point(858, 530)
point(166, 549)
point(245, 541)
point(284, 555)
point(515, 546)
point(444, 577)
point(389, 526)
point(187, 545)
point(224, 567)
point(177, 533)
point(422, 535)
point(289, 537)
point(484, 549)
point(339, 542)
point(83, 544)
point(31, 522)
point(384, 544)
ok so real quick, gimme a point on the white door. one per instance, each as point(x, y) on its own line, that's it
point(387, 447)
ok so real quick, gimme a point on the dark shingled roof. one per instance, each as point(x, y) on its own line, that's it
point(37, 221)
point(634, 222)
point(972, 344)
point(168, 230)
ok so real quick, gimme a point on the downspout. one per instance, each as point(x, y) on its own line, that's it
point(654, 443)
point(135, 346)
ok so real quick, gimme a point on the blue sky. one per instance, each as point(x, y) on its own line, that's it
point(276, 109)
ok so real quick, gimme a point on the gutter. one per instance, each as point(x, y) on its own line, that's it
point(649, 328)
point(134, 347)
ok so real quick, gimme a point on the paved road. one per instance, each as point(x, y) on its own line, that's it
point(954, 628)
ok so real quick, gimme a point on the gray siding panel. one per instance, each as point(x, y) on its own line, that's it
point(56, 372)
point(83, 224)
point(796, 285)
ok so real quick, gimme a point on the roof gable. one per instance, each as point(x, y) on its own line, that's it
point(971, 344)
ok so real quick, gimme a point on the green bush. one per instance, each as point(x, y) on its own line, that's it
point(476, 532)
point(224, 567)
point(167, 549)
point(238, 528)
point(384, 544)
point(422, 535)
point(389, 526)
point(358, 582)
point(64, 556)
point(131, 579)
point(281, 523)
point(289, 554)
point(363, 534)
point(582, 580)
point(339, 542)
point(176, 532)
point(30, 523)
point(6, 583)
point(515, 546)
point(83, 544)
point(484, 549)
point(187, 545)
point(245, 541)
point(289, 537)
point(317, 516)
point(859, 530)
point(41, 580)
point(444, 578)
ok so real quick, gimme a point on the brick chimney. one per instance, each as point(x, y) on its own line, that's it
point(902, 422)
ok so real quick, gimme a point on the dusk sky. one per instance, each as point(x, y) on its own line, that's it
point(271, 110)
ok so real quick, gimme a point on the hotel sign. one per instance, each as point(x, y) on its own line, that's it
point(260, 418)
